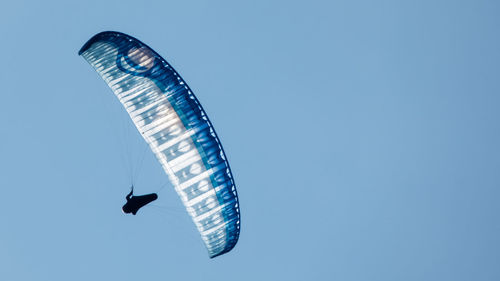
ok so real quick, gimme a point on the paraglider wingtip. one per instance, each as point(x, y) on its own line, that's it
point(96, 37)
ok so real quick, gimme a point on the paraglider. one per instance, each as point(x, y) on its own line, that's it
point(134, 203)
point(174, 125)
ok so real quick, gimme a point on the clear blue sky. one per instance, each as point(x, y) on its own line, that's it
point(363, 137)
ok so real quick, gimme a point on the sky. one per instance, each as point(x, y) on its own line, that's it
point(363, 137)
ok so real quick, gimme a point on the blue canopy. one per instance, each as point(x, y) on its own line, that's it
point(177, 129)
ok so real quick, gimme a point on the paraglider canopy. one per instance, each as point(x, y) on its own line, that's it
point(177, 129)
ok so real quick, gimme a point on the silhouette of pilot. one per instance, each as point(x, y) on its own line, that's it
point(134, 203)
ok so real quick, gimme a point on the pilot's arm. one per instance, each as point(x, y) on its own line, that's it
point(129, 195)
